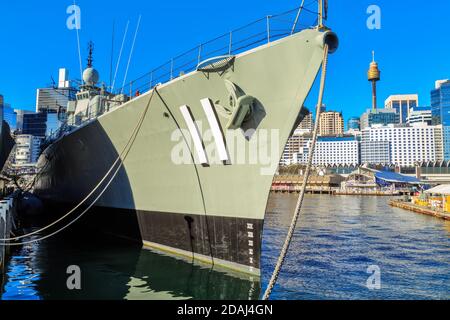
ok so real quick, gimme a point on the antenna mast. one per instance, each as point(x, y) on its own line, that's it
point(120, 55)
point(90, 58)
point(131, 53)
point(112, 55)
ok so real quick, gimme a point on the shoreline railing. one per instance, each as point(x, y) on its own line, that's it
point(252, 35)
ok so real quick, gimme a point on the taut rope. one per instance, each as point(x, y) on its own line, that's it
point(298, 208)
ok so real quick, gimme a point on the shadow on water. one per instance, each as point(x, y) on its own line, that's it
point(112, 269)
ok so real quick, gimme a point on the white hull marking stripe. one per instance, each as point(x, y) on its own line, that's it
point(217, 133)
point(194, 134)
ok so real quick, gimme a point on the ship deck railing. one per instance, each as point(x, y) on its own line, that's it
point(262, 31)
point(252, 35)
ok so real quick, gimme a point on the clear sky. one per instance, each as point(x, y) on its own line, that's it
point(412, 46)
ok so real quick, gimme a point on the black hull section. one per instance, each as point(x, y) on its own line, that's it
point(233, 243)
point(234, 240)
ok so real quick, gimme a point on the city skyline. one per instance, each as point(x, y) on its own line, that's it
point(26, 72)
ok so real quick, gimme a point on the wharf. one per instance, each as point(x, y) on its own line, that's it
point(338, 192)
point(367, 193)
point(420, 209)
point(7, 208)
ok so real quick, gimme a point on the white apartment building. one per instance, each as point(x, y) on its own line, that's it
point(297, 140)
point(376, 152)
point(331, 151)
point(408, 144)
point(27, 149)
point(293, 146)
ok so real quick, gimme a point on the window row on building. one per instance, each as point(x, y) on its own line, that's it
point(402, 145)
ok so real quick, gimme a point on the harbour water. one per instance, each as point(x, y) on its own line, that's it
point(338, 238)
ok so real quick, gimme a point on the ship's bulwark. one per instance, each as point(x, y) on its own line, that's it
point(215, 211)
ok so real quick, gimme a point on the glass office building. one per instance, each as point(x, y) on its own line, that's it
point(402, 104)
point(10, 116)
point(419, 115)
point(440, 112)
point(380, 116)
point(35, 124)
point(354, 123)
point(440, 104)
point(53, 123)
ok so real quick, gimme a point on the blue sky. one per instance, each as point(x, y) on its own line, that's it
point(412, 46)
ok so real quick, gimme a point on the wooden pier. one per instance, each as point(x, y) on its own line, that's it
point(419, 209)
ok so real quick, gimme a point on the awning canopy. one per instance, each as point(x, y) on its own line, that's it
point(393, 177)
point(443, 189)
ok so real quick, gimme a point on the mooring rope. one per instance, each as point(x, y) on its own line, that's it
point(120, 160)
point(298, 208)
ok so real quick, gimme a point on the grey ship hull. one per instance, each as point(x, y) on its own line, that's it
point(212, 212)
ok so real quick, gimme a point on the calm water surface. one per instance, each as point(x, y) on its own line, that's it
point(337, 239)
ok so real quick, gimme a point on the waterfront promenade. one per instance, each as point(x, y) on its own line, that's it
point(420, 209)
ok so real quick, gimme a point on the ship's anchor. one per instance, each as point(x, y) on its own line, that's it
point(240, 106)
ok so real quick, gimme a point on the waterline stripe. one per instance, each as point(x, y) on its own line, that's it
point(232, 266)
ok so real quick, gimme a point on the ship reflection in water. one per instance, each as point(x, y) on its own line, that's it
point(114, 270)
point(338, 238)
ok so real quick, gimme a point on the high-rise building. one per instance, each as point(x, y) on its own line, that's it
point(377, 117)
point(294, 145)
point(402, 105)
point(440, 112)
point(331, 123)
point(27, 150)
point(331, 151)
point(20, 115)
point(440, 103)
point(307, 123)
point(34, 124)
point(53, 123)
point(409, 144)
point(375, 152)
point(56, 98)
point(10, 116)
point(354, 124)
point(419, 115)
point(7, 114)
point(439, 142)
